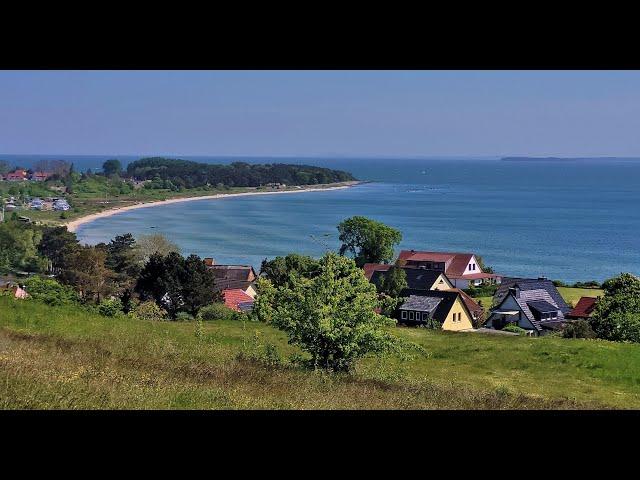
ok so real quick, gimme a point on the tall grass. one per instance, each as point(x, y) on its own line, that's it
point(62, 357)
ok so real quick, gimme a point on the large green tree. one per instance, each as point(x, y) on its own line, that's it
point(368, 241)
point(281, 270)
point(85, 270)
point(56, 244)
point(177, 284)
point(393, 282)
point(331, 316)
point(112, 167)
point(617, 313)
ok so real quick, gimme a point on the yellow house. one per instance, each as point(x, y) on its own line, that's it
point(423, 307)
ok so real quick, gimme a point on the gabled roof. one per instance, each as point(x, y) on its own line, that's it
point(455, 263)
point(417, 278)
point(473, 306)
point(526, 284)
point(369, 268)
point(421, 303)
point(535, 298)
point(584, 308)
point(237, 300)
point(447, 299)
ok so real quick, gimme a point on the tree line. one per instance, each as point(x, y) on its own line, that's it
point(189, 174)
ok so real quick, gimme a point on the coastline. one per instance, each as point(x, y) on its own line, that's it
point(73, 225)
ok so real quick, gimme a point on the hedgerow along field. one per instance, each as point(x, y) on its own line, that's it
point(67, 358)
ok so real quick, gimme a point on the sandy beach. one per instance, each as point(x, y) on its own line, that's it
point(73, 225)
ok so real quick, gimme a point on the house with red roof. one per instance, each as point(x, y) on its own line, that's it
point(462, 269)
point(583, 309)
point(237, 300)
point(17, 176)
point(40, 176)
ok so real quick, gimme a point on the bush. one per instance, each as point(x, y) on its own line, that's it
point(184, 317)
point(560, 283)
point(481, 291)
point(513, 328)
point(51, 292)
point(216, 311)
point(149, 311)
point(110, 308)
point(578, 329)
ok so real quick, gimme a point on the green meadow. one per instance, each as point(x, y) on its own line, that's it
point(67, 358)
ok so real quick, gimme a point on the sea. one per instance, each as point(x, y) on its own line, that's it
point(571, 220)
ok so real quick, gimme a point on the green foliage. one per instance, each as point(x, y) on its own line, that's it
point(483, 267)
point(484, 290)
point(513, 328)
point(177, 283)
point(56, 243)
point(112, 167)
point(149, 311)
point(393, 281)
point(589, 284)
point(281, 270)
point(110, 307)
point(147, 245)
point(18, 247)
point(184, 317)
point(331, 316)
point(50, 291)
point(188, 174)
point(617, 314)
point(216, 311)
point(369, 241)
point(578, 329)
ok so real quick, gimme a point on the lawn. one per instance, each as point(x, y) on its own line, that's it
point(64, 357)
point(572, 295)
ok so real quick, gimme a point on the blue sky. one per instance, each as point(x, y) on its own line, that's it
point(318, 113)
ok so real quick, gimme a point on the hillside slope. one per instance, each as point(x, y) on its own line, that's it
point(66, 358)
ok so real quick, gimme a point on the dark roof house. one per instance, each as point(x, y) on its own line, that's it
point(540, 283)
point(231, 276)
point(417, 278)
point(445, 306)
point(533, 304)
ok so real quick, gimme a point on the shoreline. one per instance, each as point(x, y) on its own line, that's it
point(73, 225)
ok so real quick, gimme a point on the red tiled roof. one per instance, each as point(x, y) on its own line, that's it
point(472, 305)
point(369, 268)
point(233, 297)
point(456, 262)
point(584, 307)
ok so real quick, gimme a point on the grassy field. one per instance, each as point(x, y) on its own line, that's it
point(66, 358)
point(572, 295)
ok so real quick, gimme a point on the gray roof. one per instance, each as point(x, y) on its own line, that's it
point(539, 297)
point(526, 284)
point(421, 303)
point(542, 306)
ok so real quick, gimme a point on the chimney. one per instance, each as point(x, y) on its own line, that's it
point(515, 291)
point(542, 278)
point(209, 262)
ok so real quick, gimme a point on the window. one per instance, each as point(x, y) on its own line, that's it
point(410, 315)
point(404, 315)
point(459, 317)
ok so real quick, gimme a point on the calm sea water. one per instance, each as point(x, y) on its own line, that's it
point(574, 220)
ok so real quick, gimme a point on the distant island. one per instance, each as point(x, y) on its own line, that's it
point(562, 159)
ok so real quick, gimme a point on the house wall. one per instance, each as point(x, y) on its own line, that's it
point(460, 283)
point(510, 303)
point(465, 319)
point(441, 283)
